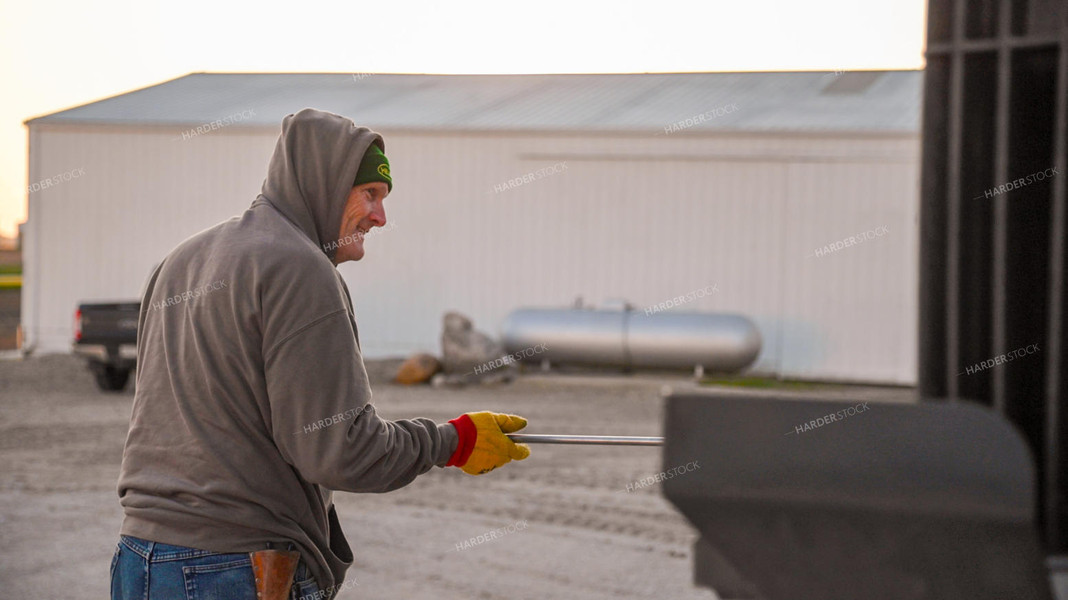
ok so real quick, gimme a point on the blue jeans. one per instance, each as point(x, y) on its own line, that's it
point(144, 570)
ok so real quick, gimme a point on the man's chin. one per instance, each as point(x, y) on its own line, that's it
point(353, 255)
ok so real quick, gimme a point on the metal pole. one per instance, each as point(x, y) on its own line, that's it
point(594, 440)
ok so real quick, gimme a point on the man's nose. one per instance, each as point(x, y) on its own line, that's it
point(378, 217)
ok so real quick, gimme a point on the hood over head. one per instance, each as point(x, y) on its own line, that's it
point(313, 169)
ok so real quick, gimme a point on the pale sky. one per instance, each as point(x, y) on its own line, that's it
point(55, 54)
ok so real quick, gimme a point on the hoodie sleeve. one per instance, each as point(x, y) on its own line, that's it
point(323, 424)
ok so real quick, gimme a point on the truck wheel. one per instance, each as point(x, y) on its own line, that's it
point(112, 379)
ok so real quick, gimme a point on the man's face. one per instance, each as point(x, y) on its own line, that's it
point(363, 210)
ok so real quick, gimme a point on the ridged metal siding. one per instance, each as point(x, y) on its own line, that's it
point(644, 218)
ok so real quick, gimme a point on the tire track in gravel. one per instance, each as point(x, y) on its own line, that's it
point(644, 516)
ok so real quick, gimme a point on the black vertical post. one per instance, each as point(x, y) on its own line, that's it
point(992, 232)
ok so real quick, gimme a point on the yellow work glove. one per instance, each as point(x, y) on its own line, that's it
point(483, 445)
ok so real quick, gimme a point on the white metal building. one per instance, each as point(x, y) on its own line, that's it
point(646, 187)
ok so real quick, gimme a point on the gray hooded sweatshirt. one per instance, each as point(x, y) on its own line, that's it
point(252, 400)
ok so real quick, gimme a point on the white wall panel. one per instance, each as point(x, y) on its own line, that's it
point(638, 217)
point(96, 238)
point(851, 313)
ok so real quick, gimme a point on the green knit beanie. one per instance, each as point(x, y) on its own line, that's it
point(374, 167)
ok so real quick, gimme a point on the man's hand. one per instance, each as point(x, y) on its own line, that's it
point(483, 445)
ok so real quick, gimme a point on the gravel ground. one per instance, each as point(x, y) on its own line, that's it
point(578, 532)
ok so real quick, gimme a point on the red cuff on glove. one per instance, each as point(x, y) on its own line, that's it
point(467, 433)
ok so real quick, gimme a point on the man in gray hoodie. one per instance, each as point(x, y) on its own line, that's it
point(252, 401)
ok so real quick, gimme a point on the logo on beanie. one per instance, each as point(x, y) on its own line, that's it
point(383, 170)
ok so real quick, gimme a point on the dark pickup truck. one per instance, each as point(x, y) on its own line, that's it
point(106, 334)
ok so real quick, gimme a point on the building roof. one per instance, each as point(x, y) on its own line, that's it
point(864, 101)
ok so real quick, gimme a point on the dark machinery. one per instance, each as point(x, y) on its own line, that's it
point(961, 495)
point(897, 502)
